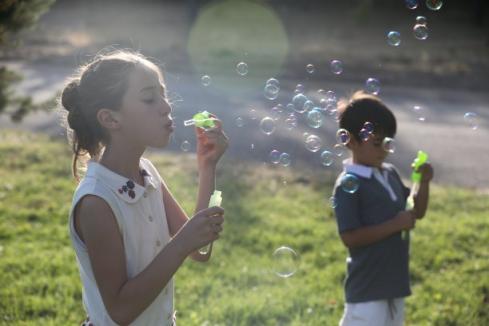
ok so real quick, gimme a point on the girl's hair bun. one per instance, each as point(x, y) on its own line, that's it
point(69, 97)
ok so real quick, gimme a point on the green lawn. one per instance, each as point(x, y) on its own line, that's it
point(39, 279)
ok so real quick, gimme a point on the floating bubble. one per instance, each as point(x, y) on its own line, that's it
point(411, 4)
point(239, 122)
point(332, 202)
point(274, 156)
point(394, 38)
point(350, 183)
point(421, 20)
point(205, 80)
point(285, 159)
point(313, 143)
point(310, 68)
point(291, 121)
point(471, 119)
point(271, 91)
point(339, 150)
point(336, 67)
point(185, 146)
point(364, 134)
point(419, 112)
point(314, 118)
point(299, 88)
point(285, 262)
point(273, 81)
point(276, 111)
point(342, 136)
point(290, 107)
point(369, 126)
point(389, 145)
point(420, 32)
point(267, 125)
point(305, 135)
point(299, 102)
point(253, 114)
point(331, 97)
point(372, 86)
point(434, 4)
point(242, 68)
point(327, 158)
point(308, 106)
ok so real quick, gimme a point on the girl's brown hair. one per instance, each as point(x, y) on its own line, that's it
point(99, 84)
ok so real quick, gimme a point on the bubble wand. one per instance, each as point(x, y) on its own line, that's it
point(215, 200)
point(420, 159)
point(202, 120)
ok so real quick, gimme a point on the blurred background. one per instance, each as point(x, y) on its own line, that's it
point(446, 75)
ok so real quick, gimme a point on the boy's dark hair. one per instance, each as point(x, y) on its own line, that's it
point(363, 107)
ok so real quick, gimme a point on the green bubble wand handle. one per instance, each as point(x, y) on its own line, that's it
point(215, 200)
point(420, 159)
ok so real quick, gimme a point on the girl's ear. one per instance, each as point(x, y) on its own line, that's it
point(109, 119)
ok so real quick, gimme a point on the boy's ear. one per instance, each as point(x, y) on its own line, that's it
point(109, 119)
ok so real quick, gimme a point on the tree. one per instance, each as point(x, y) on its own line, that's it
point(16, 15)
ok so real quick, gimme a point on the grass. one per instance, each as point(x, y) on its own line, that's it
point(39, 277)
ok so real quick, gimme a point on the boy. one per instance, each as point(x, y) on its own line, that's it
point(372, 218)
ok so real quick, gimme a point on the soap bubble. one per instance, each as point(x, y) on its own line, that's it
point(339, 150)
point(336, 67)
point(299, 102)
point(285, 262)
point(349, 183)
point(471, 119)
point(313, 143)
point(434, 4)
point(273, 81)
point(327, 158)
point(372, 86)
point(332, 202)
point(285, 159)
point(421, 20)
point(205, 80)
point(291, 121)
point(420, 32)
point(253, 114)
point(290, 107)
point(369, 126)
point(310, 68)
point(331, 96)
point(242, 68)
point(364, 134)
point(394, 38)
point(308, 106)
point(239, 122)
point(389, 145)
point(342, 136)
point(276, 111)
point(299, 88)
point(185, 146)
point(419, 112)
point(314, 118)
point(271, 91)
point(411, 4)
point(267, 125)
point(274, 156)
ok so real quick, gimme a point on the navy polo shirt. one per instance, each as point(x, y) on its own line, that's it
point(378, 271)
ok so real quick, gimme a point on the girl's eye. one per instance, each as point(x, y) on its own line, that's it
point(148, 101)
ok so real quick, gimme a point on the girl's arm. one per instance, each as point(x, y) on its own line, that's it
point(125, 299)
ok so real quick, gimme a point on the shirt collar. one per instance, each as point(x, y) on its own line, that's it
point(360, 170)
point(127, 189)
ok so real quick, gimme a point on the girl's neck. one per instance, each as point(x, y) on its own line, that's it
point(123, 161)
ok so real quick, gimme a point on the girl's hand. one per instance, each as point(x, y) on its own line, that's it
point(426, 172)
point(203, 228)
point(211, 144)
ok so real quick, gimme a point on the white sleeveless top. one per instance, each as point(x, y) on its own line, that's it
point(141, 217)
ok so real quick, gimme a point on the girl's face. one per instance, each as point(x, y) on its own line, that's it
point(145, 113)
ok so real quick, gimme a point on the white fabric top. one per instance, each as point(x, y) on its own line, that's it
point(141, 217)
point(367, 171)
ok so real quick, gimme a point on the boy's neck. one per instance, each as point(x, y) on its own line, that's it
point(356, 160)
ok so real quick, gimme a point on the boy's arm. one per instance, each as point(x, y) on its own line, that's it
point(365, 236)
point(421, 198)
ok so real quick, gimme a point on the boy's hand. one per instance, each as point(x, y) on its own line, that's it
point(426, 172)
point(405, 220)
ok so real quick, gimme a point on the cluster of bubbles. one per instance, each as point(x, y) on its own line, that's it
point(430, 4)
point(277, 157)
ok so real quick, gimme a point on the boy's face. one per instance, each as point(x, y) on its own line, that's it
point(370, 152)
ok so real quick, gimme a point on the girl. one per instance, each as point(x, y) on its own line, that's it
point(129, 233)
